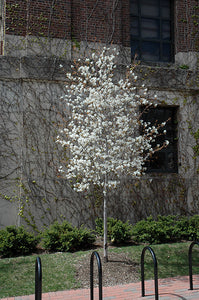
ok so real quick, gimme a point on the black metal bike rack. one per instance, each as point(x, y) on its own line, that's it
point(38, 279)
point(155, 271)
point(190, 263)
point(99, 274)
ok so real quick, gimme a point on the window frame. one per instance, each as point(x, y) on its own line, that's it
point(173, 139)
point(160, 41)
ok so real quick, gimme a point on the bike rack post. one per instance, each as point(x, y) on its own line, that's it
point(155, 271)
point(38, 279)
point(99, 274)
point(190, 263)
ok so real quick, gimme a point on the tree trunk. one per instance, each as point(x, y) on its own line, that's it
point(105, 228)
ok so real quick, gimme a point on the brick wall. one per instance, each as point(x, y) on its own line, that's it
point(101, 21)
point(186, 25)
point(39, 18)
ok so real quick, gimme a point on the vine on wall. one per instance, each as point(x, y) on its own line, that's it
point(29, 156)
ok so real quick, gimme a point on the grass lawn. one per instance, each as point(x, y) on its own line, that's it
point(172, 259)
point(17, 274)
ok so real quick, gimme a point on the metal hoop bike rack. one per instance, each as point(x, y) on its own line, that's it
point(38, 279)
point(190, 263)
point(155, 271)
point(99, 274)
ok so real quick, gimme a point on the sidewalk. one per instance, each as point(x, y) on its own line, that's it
point(169, 288)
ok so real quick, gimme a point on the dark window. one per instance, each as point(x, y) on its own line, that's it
point(151, 30)
point(165, 160)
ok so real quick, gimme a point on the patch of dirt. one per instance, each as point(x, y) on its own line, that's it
point(118, 270)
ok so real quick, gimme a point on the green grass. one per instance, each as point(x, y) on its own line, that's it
point(172, 259)
point(17, 274)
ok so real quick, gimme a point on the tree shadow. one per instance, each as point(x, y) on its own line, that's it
point(128, 262)
point(175, 295)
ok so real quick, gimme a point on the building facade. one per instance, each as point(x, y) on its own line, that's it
point(54, 27)
point(161, 38)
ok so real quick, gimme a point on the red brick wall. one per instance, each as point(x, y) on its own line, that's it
point(91, 20)
point(101, 21)
point(16, 17)
point(94, 20)
point(38, 17)
point(186, 25)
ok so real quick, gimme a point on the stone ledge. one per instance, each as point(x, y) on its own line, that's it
point(45, 68)
point(40, 68)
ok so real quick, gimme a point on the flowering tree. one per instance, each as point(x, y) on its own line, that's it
point(102, 136)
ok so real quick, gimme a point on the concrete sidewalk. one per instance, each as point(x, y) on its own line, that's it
point(169, 288)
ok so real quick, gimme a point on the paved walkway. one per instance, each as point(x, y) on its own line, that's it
point(169, 288)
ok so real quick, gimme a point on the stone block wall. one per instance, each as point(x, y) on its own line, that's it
point(31, 110)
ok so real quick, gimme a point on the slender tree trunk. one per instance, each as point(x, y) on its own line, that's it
point(105, 228)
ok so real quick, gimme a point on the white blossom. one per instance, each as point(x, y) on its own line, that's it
point(102, 137)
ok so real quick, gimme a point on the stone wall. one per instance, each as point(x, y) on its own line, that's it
point(31, 111)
